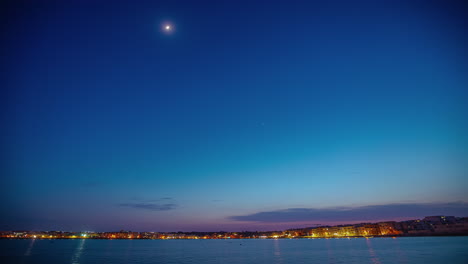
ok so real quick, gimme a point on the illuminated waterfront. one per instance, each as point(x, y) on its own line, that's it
point(429, 226)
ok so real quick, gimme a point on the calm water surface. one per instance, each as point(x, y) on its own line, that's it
point(425, 250)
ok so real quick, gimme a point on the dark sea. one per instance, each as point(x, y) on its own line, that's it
point(423, 250)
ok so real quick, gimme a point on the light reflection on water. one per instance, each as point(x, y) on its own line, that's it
point(331, 258)
point(399, 253)
point(373, 256)
point(429, 250)
point(78, 252)
point(31, 245)
point(277, 251)
point(128, 252)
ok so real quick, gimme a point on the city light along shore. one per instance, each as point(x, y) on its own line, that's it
point(429, 226)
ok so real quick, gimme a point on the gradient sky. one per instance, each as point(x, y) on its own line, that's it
point(249, 115)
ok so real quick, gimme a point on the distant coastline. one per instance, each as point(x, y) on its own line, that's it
point(428, 226)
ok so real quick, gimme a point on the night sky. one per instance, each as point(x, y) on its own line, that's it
point(243, 115)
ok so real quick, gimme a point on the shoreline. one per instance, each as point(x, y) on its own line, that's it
point(278, 238)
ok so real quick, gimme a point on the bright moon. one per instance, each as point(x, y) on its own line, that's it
point(167, 27)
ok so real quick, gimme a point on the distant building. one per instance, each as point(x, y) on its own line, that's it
point(368, 230)
point(440, 219)
point(349, 230)
point(390, 228)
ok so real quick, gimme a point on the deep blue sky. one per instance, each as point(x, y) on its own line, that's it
point(246, 114)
